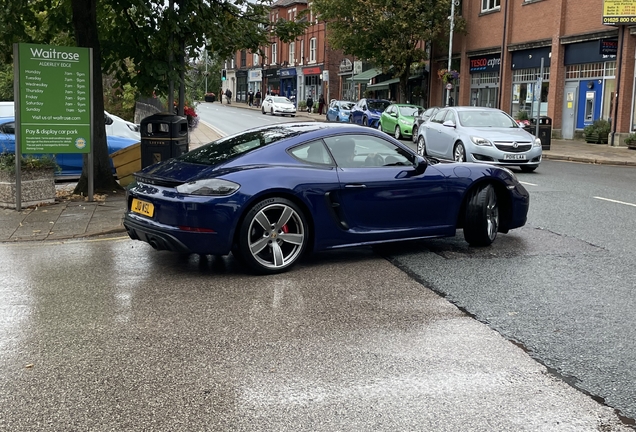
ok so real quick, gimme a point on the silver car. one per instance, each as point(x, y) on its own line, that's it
point(477, 134)
point(278, 105)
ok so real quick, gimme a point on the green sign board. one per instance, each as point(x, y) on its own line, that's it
point(55, 99)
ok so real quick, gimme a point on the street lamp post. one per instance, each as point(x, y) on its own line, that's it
point(450, 43)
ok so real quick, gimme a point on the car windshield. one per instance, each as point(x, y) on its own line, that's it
point(378, 105)
point(346, 105)
point(408, 111)
point(280, 99)
point(227, 148)
point(496, 119)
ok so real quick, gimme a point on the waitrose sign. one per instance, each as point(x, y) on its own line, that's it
point(54, 99)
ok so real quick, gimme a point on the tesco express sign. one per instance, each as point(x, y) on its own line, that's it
point(489, 63)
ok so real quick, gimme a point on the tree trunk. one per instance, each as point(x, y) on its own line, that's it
point(85, 24)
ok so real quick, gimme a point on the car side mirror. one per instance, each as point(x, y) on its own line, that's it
point(420, 164)
point(108, 120)
point(393, 114)
point(449, 123)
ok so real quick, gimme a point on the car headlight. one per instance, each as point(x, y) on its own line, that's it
point(405, 122)
point(208, 187)
point(480, 141)
point(537, 142)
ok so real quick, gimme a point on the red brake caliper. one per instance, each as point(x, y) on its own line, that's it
point(285, 229)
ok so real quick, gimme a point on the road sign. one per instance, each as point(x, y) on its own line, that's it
point(449, 86)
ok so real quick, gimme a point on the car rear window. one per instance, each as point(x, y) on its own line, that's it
point(230, 147)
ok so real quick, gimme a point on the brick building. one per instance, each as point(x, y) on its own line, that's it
point(499, 60)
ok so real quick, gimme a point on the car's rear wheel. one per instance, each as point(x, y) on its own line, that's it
point(398, 133)
point(421, 146)
point(482, 217)
point(459, 154)
point(273, 236)
point(414, 133)
point(527, 169)
point(263, 111)
point(271, 111)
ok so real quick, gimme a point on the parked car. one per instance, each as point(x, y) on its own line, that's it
point(7, 109)
point(398, 119)
point(70, 163)
point(367, 112)
point(339, 110)
point(421, 118)
point(477, 134)
point(278, 105)
point(270, 194)
point(117, 126)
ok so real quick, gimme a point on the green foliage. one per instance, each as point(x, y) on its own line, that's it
point(522, 115)
point(28, 163)
point(630, 139)
point(6, 82)
point(597, 132)
point(388, 33)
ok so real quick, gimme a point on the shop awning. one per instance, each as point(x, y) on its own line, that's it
point(384, 85)
point(366, 75)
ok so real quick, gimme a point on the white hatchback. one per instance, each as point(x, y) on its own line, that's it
point(278, 105)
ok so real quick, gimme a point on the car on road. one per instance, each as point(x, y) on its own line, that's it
point(70, 163)
point(272, 193)
point(422, 117)
point(367, 112)
point(339, 110)
point(398, 119)
point(117, 126)
point(278, 105)
point(478, 134)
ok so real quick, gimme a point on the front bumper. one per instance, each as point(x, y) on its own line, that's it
point(494, 156)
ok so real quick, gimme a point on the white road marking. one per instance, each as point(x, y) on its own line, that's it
point(529, 184)
point(615, 201)
point(214, 128)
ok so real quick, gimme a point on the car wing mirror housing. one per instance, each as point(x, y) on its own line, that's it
point(420, 164)
point(449, 123)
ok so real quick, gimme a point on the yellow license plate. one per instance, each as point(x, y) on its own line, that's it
point(142, 207)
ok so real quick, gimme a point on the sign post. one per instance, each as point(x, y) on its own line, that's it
point(53, 102)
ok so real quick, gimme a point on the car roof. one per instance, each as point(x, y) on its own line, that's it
point(474, 108)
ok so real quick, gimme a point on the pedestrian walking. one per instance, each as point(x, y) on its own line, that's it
point(321, 104)
point(228, 95)
point(250, 98)
point(310, 103)
point(257, 98)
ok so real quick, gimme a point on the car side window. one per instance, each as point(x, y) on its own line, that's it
point(439, 116)
point(8, 128)
point(364, 151)
point(450, 116)
point(314, 152)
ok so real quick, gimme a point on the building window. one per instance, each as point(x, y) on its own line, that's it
point(232, 64)
point(302, 51)
point(292, 53)
point(312, 50)
point(488, 5)
point(274, 58)
point(255, 59)
point(243, 58)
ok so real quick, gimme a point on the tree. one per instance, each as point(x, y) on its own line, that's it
point(389, 33)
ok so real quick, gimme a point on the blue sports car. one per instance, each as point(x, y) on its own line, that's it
point(339, 111)
point(367, 112)
point(70, 163)
point(271, 193)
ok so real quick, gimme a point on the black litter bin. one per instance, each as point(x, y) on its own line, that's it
point(163, 136)
point(545, 130)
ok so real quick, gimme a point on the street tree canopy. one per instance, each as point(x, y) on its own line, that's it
point(389, 33)
point(155, 36)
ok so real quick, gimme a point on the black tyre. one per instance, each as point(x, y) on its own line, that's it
point(263, 111)
point(482, 217)
point(271, 111)
point(398, 133)
point(365, 122)
point(273, 236)
point(528, 169)
point(414, 134)
point(421, 146)
point(459, 153)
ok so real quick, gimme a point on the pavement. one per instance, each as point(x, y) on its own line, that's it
point(78, 218)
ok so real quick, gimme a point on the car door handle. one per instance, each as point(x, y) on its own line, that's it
point(355, 185)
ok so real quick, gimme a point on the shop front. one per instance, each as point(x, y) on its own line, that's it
point(484, 80)
point(271, 80)
point(241, 86)
point(313, 82)
point(288, 83)
point(254, 79)
point(590, 84)
point(529, 93)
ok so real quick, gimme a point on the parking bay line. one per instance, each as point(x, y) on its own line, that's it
point(615, 201)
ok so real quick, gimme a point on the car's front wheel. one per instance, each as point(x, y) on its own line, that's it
point(271, 111)
point(273, 236)
point(365, 122)
point(421, 146)
point(482, 217)
point(263, 111)
point(459, 154)
point(398, 133)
